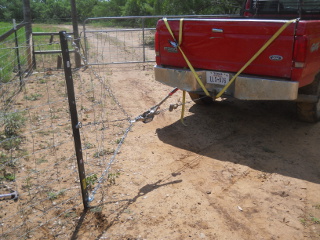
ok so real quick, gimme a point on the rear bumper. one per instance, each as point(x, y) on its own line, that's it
point(244, 87)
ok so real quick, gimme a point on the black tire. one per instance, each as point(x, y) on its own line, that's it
point(310, 112)
point(201, 99)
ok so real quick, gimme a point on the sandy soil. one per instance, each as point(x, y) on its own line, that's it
point(238, 170)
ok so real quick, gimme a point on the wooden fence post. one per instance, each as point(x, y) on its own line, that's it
point(28, 30)
point(75, 32)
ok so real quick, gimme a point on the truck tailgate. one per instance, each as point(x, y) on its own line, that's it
point(227, 44)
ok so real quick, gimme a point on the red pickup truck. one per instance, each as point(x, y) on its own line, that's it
point(269, 52)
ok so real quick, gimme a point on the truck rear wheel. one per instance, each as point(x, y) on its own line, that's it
point(200, 99)
point(310, 112)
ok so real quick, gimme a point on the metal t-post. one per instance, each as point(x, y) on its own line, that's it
point(76, 125)
point(17, 52)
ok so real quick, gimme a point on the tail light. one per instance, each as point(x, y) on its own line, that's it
point(156, 47)
point(247, 12)
point(300, 51)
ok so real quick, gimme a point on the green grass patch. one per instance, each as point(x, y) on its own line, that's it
point(8, 55)
point(315, 220)
point(33, 97)
point(103, 152)
point(48, 42)
point(91, 180)
point(12, 123)
point(56, 195)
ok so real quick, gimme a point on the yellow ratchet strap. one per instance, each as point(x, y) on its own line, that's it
point(183, 107)
point(184, 56)
point(180, 30)
point(284, 26)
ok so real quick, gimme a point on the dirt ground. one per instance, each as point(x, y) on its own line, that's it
point(238, 170)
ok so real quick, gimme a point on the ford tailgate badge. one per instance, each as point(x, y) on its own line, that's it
point(276, 58)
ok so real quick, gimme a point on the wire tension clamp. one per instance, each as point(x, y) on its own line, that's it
point(148, 115)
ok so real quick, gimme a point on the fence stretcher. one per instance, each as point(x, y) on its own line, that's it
point(148, 115)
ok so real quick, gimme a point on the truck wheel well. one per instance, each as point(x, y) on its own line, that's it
point(310, 112)
point(313, 88)
point(200, 99)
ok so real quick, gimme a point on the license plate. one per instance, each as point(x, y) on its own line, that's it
point(217, 78)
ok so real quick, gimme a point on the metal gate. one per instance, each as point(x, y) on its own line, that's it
point(118, 40)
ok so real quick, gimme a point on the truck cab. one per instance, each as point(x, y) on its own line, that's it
point(284, 9)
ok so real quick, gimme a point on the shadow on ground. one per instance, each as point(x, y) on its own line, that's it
point(265, 136)
point(101, 219)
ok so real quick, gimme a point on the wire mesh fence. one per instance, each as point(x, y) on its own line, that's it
point(13, 61)
point(40, 189)
point(39, 181)
point(46, 49)
point(40, 195)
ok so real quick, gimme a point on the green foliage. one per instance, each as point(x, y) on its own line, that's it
point(5, 26)
point(91, 180)
point(3, 158)
point(85, 8)
point(7, 176)
point(8, 59)
point(57, 11)
point(55, 195)
point(112, 178)
point(11, 143)
point(96, 209)
point(180, 7)
point(88, 145)
point(307, 220)
point(10, 177)
point(109, 8)
point(149, 41)
point(50, 11)
point(41, 160)
point(33, 97)
point(303, 221)
point(10, 9)
point(12, 123)
point(315, 220)
point(137, 8)
point(103, 152)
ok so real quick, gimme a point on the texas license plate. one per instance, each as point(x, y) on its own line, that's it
point(217, 78)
